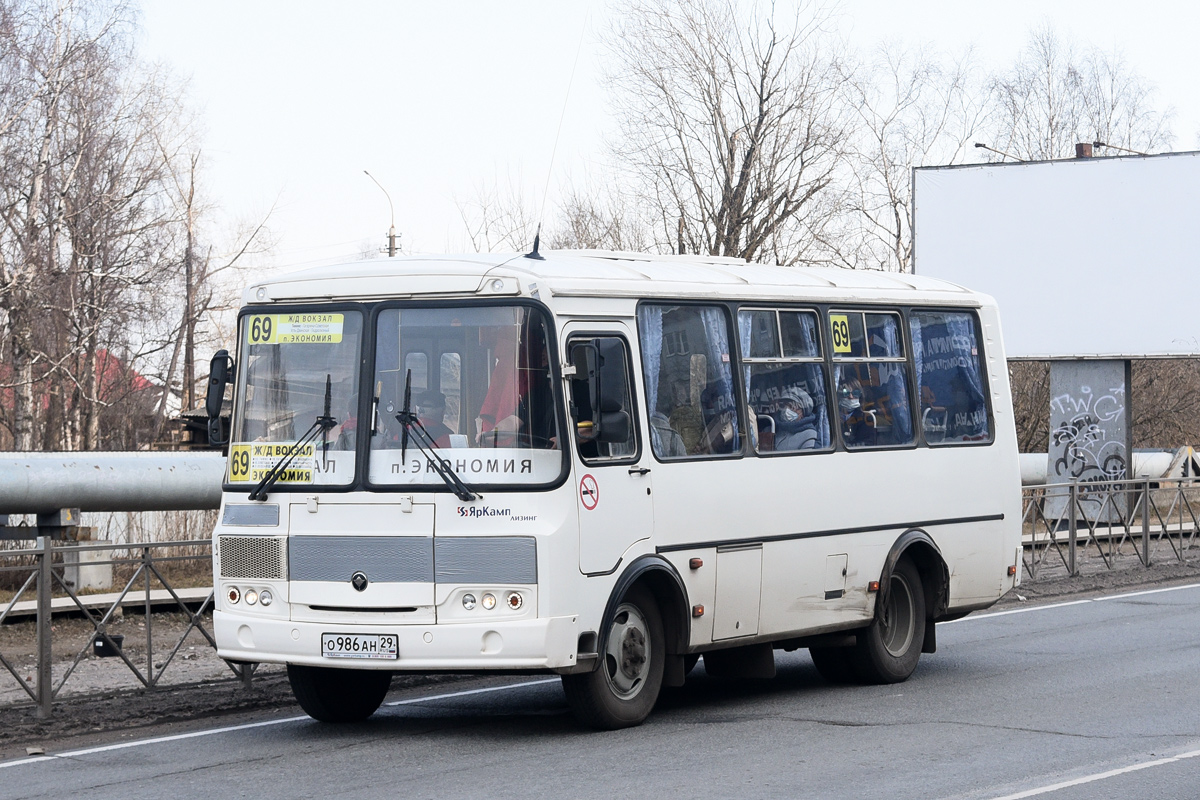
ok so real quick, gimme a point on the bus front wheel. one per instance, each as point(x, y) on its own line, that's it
point(888, 650)
point(622, 691)
point(338, 695)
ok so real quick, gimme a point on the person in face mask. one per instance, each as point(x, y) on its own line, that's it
point(856, 423)
point(795, 423)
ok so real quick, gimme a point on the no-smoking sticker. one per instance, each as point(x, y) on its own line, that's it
point(589, 492)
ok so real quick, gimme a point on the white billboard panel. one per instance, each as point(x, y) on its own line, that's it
point(1086, 257)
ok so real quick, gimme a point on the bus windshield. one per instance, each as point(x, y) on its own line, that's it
point(479, 382)
point(291, 366)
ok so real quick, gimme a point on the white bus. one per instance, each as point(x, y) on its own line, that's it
point(603, 465)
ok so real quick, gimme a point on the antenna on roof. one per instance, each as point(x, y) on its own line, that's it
point(537, 240)
point(537, 237)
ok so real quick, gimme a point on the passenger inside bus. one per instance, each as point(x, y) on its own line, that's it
point(795, 422)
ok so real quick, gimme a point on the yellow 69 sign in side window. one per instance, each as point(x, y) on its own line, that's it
point(839, 329)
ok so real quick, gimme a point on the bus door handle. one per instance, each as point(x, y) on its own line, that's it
point(638, 470)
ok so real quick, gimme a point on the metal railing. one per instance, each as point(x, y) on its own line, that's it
point(35, 574)
point(1147, 519)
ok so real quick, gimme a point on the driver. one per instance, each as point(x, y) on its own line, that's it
point(430, 407)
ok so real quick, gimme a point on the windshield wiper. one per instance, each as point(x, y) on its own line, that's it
point(322, 425)
point(425, 443)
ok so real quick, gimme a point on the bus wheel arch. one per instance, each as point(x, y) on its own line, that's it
point(661, 579)
point(642, 620)
point(918, 547)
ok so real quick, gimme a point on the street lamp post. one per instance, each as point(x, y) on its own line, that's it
point(392, 228)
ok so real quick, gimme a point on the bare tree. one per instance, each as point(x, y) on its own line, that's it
point(50, 50)
point(911, 110)
point(102, 269)
point(499, 218)
point(1055, 96)
point(729, 124)
point(599, 220)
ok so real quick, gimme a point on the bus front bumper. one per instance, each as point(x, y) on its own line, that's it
point(542, 643)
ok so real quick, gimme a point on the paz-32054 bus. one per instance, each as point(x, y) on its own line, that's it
point(605, 465)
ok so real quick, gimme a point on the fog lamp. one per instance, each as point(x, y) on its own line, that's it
point(489, 601)
point(468, 601)
point(251, 597)
point(265, 597)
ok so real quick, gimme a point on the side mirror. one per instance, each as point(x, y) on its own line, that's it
point(220, 372)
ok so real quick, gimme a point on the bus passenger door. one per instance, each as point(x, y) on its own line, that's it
point(612, 480)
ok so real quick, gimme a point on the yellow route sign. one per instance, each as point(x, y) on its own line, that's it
point(251, 462)
point(839, 325)
point(294, 328)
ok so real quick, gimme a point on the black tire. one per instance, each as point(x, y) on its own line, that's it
point(338, 695)
point(888, 650)
point(834, 663)
point(622, 691)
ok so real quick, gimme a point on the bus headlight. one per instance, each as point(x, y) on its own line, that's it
point(489, 601)
point(265, 597)
point(251, 597)
point(468, 601)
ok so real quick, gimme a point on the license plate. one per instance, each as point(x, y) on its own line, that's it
point(360, 645)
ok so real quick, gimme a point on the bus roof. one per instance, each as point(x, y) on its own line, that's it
point(596, 273)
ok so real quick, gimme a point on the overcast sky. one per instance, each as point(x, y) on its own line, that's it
point(438, 99)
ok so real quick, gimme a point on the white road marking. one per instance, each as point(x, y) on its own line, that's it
point(448, 695)
point(1048, 606)
point(412, 700)
point(1099, 776)
point(250, 725)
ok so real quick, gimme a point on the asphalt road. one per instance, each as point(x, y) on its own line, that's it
point(1098, 698)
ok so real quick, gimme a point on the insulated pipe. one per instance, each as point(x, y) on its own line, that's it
point(34, 483)
point(1154, 464)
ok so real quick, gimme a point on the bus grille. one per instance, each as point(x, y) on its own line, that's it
point(260, 558)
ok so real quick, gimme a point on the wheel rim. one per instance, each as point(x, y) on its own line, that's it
point(627, 654)
point(899, 623)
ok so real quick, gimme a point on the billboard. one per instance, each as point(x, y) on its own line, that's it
point(1086, 257)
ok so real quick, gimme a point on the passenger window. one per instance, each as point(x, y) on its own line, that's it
point(419, 364)
point(689, 390)
point(949, 377)
point(450, 377)
point(785, 380)
point(601, 400)
point(871, 375)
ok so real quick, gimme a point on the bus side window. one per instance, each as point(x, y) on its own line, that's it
point(602, 400)
point(689, 380)
point(784, 373)
point(949, 377)
point(871, 375)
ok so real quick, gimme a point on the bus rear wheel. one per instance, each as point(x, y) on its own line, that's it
point(338, 695)
point(622, 691)
point(888, 650)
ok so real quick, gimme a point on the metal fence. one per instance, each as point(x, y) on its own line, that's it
point(39, 573)
point(1104, 523)
point(1152, 520)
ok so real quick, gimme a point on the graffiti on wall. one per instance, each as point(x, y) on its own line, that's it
point(1088, 430)
point(1081, 447)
